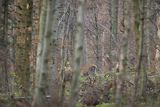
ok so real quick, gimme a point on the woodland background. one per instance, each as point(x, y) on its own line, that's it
point(79, 53)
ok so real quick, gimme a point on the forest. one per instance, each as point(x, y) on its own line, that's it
point(79, 53)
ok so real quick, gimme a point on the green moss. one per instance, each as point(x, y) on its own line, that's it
point(82, 79)
point(106, 105)
point(80, 105)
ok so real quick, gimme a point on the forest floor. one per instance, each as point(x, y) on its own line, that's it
point(100, 91)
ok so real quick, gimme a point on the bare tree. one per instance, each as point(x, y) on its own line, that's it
point(123, 64)
point(140, 78)
point(114, 27)
point(23, 41)
point(78, 51)
point(46, 33)
point(4, 85)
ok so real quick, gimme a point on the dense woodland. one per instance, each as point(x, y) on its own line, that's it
point(79, 53)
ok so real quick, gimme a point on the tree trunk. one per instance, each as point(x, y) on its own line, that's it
point(98, 44)
point(78, 51)
point(114, 26)
point(124, 52)
point(23, 43)
point(35, 33)
point(42, 61)
point(46, 53)
point(141, 76)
